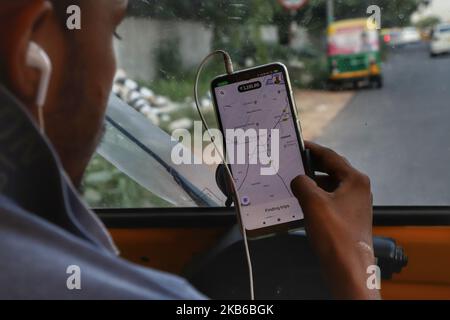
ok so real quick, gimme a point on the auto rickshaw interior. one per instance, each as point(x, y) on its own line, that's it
point(365, 85)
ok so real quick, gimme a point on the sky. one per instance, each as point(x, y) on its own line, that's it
point(439, 8)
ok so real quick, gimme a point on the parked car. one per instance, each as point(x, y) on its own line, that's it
point(440, 40)
point(409, 35)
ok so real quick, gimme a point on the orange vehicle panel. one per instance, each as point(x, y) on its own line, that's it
point(427, 275)
point(167, 249)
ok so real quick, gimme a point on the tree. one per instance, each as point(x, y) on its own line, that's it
point(428, 22)
point(394, 13)
point(230, 20)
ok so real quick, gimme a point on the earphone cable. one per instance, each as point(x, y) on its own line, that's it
point(237, 203)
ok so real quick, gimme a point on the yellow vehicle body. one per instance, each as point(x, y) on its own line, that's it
point(354, 51)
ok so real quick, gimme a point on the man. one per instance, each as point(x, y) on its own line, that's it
point(45, 227)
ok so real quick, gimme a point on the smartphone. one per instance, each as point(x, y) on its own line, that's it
point(260, 100)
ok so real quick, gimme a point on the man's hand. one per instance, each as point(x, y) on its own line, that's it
point(338, 221)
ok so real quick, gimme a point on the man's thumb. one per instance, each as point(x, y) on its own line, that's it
point(304, 188)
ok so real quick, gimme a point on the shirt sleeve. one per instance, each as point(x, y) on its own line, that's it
point(42, 261)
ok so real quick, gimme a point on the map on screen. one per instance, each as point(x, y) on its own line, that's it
point(262, 103)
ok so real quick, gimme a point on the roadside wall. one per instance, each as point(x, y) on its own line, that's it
point(142, 37)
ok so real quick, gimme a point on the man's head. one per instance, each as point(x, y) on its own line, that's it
point(83, 67)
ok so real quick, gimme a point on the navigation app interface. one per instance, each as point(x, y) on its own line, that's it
point(262, 104)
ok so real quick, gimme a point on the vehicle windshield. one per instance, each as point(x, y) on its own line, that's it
point(379, 96)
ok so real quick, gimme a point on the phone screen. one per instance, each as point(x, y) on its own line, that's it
point(261, 104)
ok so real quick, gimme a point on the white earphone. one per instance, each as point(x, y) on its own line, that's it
point(38, 58)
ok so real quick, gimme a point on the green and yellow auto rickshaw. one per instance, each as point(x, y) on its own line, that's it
point(354, 53)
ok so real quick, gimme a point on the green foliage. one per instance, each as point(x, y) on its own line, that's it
point(316, 69)
point(313, 15)
point(178, 84)
point(105, 186)
point(215, 11)
point(174, 88)
point(168, 58)
point(428, 22)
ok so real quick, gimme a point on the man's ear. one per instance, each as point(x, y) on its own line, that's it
point(28, 23)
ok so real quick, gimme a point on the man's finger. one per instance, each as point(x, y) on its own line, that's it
point(328, 161)
point(304, 188)
point(327, 183)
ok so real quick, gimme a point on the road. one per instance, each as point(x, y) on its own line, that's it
point(400, 135)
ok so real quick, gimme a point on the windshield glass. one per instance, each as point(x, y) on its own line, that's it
point(377, 95)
